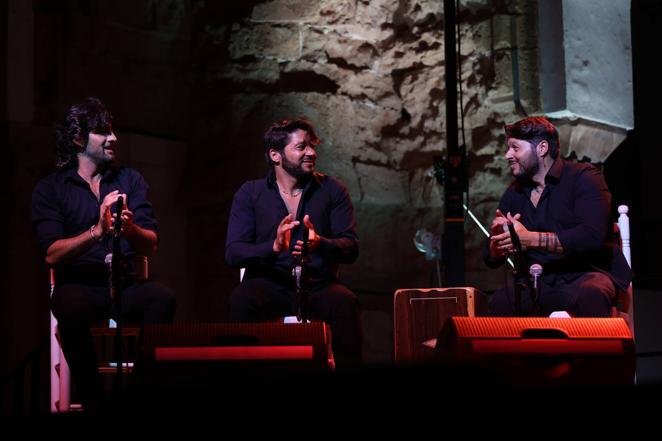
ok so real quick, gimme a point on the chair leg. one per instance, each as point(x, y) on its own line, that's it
point(60, 374)
point(55, 361)
point(65, 384)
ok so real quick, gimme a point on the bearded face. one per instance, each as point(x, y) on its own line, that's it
point(299, 155)
point(100, 147)
point(522, 158)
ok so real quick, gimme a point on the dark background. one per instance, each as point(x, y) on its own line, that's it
point(182, 108)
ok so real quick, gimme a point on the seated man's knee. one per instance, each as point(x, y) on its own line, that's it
point(249, 301)
point(77, 305)
point(345, 301)
point(168, 303)
point(595, 294)
point(152, 301)
point(238, 305)
point(349, 299)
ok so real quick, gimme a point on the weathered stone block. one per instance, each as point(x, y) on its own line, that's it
point(265, 40)
point(376, 13)
point(421, 92)
point(305, 11)
point(286, 10)
point(381, 185)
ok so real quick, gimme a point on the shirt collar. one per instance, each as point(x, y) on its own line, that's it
point(71, 174)
point(554, 173)
point(552, 177)
point(316, 179)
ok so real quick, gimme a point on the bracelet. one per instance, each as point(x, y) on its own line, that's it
point(94, 238)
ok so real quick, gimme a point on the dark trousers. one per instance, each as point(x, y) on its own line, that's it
point(589, 295)
point(78, 306)
point(262, 299)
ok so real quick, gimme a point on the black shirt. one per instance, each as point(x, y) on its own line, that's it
point(576, 205)
point(64, 206)
point(258, 209)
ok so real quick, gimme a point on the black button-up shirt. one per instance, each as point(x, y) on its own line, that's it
point(258, 209)
point(64, 206)
point(576, 205)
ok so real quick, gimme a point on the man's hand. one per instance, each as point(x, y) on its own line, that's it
point(527, 238)
point(143, 241)
point(498, 236)
point(105, 217)
point(283, 233)
point(128, 226)
point(500, 241)
point(313, 238)
point(497, 223)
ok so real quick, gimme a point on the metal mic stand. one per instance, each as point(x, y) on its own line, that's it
point(301, 279)
point(115, 281)
point(520, 281)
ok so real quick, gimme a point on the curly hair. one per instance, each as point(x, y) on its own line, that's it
point(278, 135)
point(535, 129)
point(89, 115)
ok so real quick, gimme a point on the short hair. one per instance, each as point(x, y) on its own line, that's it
point(535, 129)
point(89, 115)
point(278, 135)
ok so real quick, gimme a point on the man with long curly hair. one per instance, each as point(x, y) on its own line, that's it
point(72, 217)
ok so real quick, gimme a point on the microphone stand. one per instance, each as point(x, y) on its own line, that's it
point(301, 279)
point(520, 281)
point(116, 281)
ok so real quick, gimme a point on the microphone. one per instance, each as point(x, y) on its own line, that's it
point(117, 225)
point(109, 260)
point(536, 271)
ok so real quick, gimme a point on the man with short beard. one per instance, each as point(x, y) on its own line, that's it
point(561, 212)
point(265, 237)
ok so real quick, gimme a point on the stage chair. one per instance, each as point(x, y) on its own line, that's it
point(623, 306)
point(624, 302)
point(60, 376)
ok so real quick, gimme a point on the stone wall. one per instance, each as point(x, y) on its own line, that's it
point(194, 85)
point(371, 76)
